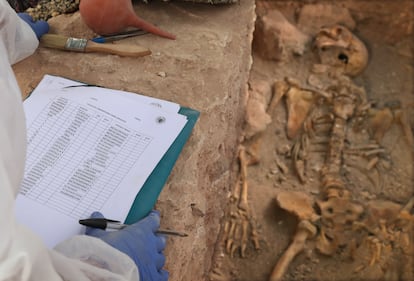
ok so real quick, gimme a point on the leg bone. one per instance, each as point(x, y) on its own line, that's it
point(305, 231)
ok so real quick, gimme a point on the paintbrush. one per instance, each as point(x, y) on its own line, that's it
point(84, 45)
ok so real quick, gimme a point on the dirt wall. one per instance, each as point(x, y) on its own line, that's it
point(205, 68)
point(285, 54)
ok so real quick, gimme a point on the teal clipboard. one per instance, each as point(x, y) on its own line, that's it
point(147, 197)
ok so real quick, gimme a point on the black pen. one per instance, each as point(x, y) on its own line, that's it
point(103, 223)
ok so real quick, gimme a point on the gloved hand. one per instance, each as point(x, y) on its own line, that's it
point(39, 27)
point(140, 242)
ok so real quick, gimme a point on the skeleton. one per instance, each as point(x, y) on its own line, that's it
point(240, 229)
point(338, 218)
point(241, 221)
point(389, 232)
point(330, 103)
point(301, 206)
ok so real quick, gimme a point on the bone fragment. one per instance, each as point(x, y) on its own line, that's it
point(297, 203)
point(245, 226)
point(236, 191)
point(253, 150)
point(369, 146)
point(380, 123)
point(229, 243)
point(323, 245)
point(377, 251)
point(305, 231)
point(372, 163)
point(300, 170)
point(341, 49)
point(333, 160)
point(299, 152)
point(237, 237)
point(279, 90)
point(282, 167)
point(255, 238)
point(243, 203)
point(256, 117)
point(374, 151)
point(299, 103)
point(226, 228)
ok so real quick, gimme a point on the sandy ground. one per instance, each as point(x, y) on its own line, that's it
point(207, 68)
point(387, 30)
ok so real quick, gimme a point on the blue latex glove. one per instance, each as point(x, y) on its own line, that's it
point(39, 27)
point(140, 242)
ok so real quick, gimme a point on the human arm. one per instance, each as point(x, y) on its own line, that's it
point(39, 27)
point(141, 243)
point(20, 251)
point(23, 256)
point(21, 40)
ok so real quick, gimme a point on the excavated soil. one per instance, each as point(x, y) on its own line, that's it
point(207, 68)
point(386, 27)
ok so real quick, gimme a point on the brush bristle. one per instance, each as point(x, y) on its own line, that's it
point(54, 41)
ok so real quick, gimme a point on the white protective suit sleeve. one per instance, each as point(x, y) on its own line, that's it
point(23, 256)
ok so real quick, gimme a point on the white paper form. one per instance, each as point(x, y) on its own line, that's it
point(50, 82)
point(87, 151)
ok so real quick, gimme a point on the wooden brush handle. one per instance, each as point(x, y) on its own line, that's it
point(117, 49)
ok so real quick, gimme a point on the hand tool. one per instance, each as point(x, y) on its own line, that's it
point(84, 45)
point(119, 36)
point(103, 223)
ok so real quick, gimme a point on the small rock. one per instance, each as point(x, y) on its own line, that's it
point(283, 150)
point(256, 116)
point(276, 38)
point(273, 171)
point(162, 74)
point(196, 211)
point(260, 89)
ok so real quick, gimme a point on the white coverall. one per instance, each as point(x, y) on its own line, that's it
point(23, 256)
